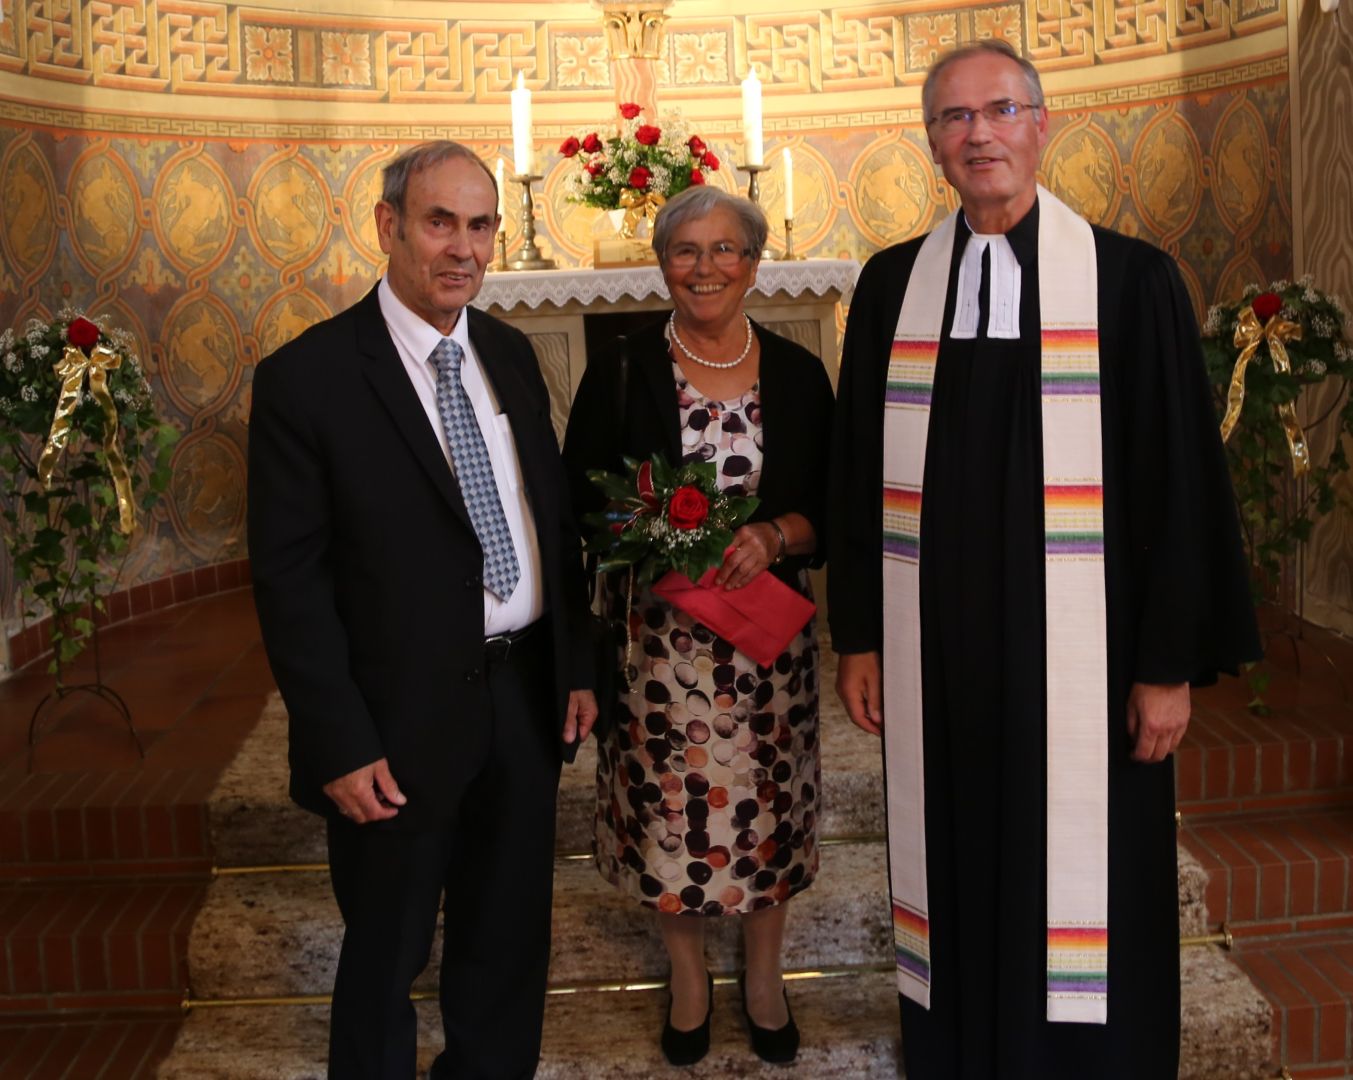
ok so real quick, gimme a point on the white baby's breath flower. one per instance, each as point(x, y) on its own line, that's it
point(1212, 324)
point(1248, 291)
point(13, 363)
point(38, 350)
point(6, 340)
point(29, 393)
point(1310, 295)
point(1316, 367)
point(1324, 326)
point(1279, 285)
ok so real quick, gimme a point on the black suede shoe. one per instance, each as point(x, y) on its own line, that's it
point(776, 1047)
point(688, 1047)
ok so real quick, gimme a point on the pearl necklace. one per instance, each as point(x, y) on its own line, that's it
point(672, 330)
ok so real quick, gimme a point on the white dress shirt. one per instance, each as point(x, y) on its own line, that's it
point(415, 340)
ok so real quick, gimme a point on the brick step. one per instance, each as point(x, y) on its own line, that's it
point(117, 1046)
point(1233, 761)
point(125, 824)
point(1308, 979)
point(96, 945)
point(1266, 867)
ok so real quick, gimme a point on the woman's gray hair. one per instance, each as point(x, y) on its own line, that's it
point(700, 201)
point(396, 175)
point(979, 48)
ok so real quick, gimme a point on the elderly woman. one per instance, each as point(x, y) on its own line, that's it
point(708, 782)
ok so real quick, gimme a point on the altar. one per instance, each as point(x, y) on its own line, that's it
point(561, 310)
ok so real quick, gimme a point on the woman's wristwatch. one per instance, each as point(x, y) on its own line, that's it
point(780, 534)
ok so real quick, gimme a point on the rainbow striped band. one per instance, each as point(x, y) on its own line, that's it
point(911, 941)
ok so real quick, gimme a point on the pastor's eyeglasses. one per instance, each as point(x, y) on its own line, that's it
point(962, 117)
point(724, 255)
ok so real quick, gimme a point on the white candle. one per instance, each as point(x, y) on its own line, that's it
point(789, 184)
point(751, 119)
point(521, 127)
point(498, 176)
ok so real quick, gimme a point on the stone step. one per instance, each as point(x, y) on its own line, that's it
point(270, 935)
point(1308, 980)
point(1273, 872)
point(253, 822)
point(849, 1026)
point(275, 934)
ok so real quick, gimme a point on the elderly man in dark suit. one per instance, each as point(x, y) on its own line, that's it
point(420, 590)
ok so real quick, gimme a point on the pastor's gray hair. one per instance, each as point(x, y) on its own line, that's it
point(700, 201)
point(396, 175)
point(979, 48)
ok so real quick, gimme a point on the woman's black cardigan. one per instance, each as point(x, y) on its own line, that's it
point(796, 417)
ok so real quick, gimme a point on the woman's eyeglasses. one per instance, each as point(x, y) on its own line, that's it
point(724, 255)
point(962, 117)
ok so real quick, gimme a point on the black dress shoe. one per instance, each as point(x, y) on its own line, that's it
point(778, 1046)
point(687, 1047)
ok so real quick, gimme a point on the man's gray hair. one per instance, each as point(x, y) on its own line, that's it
point(397, 173)
point(978, 48)
point(699, 201)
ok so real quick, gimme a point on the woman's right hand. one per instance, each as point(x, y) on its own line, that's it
point(754, 548)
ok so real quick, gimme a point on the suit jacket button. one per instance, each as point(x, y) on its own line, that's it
point(472, 675)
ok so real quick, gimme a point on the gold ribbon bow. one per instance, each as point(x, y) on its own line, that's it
point(637, 206)
point(72, 369)
point(1249, 333)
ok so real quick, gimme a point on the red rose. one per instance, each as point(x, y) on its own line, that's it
point(697, 145)
point(688, 509)
point(569, 146)
point(596, 168)
point(697, 177)
point(709, 161)
point(592, 144)
point(629, 110)
point(82, 333)
point(648, 135)
point(639, 177)
point(1266, 305)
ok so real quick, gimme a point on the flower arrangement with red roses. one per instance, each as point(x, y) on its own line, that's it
point(650, 162)
point(1268, 353)
point(81, 450)
point(662, 518)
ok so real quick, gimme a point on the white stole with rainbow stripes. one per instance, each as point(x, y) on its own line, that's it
point(1077, 665)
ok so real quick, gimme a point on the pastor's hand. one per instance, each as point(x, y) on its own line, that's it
point(580, 716)
point(1157, 717)
point(859, 684)
point(367, 794)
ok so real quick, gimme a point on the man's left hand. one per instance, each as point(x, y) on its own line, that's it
point(581, 715)
point(1157, 717)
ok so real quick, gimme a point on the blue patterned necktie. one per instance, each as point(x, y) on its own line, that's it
point(474, 471)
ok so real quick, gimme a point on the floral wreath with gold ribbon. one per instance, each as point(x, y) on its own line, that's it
point(1280, 362)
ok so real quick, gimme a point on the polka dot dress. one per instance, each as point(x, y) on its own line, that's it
point(708, 786)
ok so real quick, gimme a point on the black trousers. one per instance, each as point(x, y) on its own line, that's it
point(494, 862)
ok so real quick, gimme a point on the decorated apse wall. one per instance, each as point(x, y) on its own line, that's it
point(203, 173)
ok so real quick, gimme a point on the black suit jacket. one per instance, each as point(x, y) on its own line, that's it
point(366, 568)
point(796, 417)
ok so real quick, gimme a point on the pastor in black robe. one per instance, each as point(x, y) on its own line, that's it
point(1178, 610)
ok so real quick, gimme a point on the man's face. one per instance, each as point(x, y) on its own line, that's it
point(441, 244)
point(993, 166)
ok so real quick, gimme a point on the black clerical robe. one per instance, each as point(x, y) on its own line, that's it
point(1177, 608)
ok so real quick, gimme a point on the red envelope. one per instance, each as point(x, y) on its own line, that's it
point(761, 618)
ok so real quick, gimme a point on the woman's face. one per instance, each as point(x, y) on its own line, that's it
point(709, 291)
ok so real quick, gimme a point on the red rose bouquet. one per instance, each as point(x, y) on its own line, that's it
point(662, 519)
point(678, 524)
point(641, 166)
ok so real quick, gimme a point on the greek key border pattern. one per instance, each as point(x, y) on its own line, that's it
point(64, 119)
point(229, 50)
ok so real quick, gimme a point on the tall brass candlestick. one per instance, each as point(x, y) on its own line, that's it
point(530, 257)
point(500, 263)
point(753, 187)
point(789, 241)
